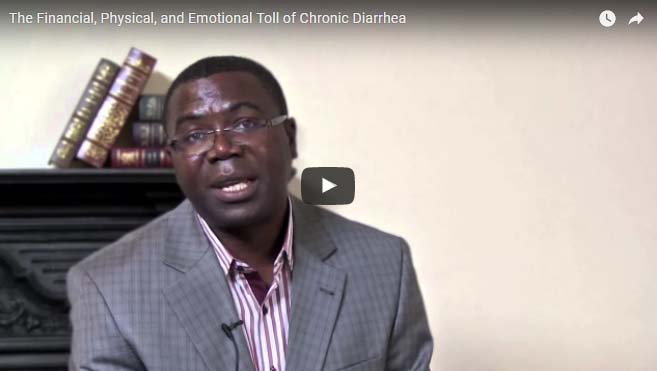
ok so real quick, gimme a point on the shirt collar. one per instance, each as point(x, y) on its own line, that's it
point(229, 263)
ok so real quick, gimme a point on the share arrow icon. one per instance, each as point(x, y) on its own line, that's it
point(638, 18)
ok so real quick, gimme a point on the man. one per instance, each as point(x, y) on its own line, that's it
point(241, 275)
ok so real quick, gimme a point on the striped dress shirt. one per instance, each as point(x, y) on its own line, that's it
point(264, 310)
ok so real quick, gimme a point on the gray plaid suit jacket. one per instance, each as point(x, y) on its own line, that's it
point(155, 300)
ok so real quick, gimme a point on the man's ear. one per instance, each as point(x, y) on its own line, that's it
point(167, 135)
point(291, 131)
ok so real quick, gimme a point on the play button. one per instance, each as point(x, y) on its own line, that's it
point(327, 185)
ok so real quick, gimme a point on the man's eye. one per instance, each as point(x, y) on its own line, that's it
point(246, 124)
point(193, 137)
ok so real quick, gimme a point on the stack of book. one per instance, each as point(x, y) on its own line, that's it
point(148, 137)
point(105, 112)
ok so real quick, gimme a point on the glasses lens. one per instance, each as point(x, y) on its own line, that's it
point(247, 130)
point(242, 132)
point(196, 143)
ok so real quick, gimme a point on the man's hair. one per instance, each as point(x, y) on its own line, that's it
point(211, 65)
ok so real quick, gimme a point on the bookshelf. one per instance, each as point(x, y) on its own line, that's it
point(49, 220)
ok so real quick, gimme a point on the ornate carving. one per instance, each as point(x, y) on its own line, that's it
point(43, 233)
point(23, 313)
point(10, 312)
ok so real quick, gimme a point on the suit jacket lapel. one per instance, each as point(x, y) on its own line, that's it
point(317, 290)
point(201, 298)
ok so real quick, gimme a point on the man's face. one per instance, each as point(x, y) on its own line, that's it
point(235, 184)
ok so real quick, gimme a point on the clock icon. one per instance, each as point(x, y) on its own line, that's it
point(607, 18)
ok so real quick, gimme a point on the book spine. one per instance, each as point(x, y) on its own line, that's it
point(85, 111)
point(148, 134)
point(140, 157)
point(114, 111)
point(151, 108)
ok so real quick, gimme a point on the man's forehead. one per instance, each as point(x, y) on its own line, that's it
point(223, 88)
point(233, 81)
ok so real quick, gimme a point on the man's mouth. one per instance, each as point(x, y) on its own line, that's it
point(237, 187)
point(234, 190)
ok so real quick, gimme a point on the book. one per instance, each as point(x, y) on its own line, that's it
point(127, 157)
point(85, 111)
point(148, 134)
point(151, 107)
point(114, 111)
point(140, 144)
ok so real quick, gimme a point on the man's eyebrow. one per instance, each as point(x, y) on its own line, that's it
point(237, 105)
point(188, 117)
point(232, 107)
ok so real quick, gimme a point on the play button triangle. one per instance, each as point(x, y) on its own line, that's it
point(327, 185)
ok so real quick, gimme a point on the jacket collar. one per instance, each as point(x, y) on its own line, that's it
point(202, 301)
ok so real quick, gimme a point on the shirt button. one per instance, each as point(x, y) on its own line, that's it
point(272, 368)
point(265, 311)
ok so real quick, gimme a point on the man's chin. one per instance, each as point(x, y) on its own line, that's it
point(235, 215)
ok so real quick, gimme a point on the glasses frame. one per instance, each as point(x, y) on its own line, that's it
point(269, 123)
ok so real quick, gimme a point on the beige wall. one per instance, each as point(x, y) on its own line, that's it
point(518, 163)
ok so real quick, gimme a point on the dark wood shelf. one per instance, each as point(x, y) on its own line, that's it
point(22, 176)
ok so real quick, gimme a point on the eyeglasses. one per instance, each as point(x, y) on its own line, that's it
point(241, 131)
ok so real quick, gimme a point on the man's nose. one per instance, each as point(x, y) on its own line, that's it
point(224, 146)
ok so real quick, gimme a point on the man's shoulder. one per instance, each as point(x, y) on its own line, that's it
point(354, 239)
point(338, 225)
point(136, 249)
